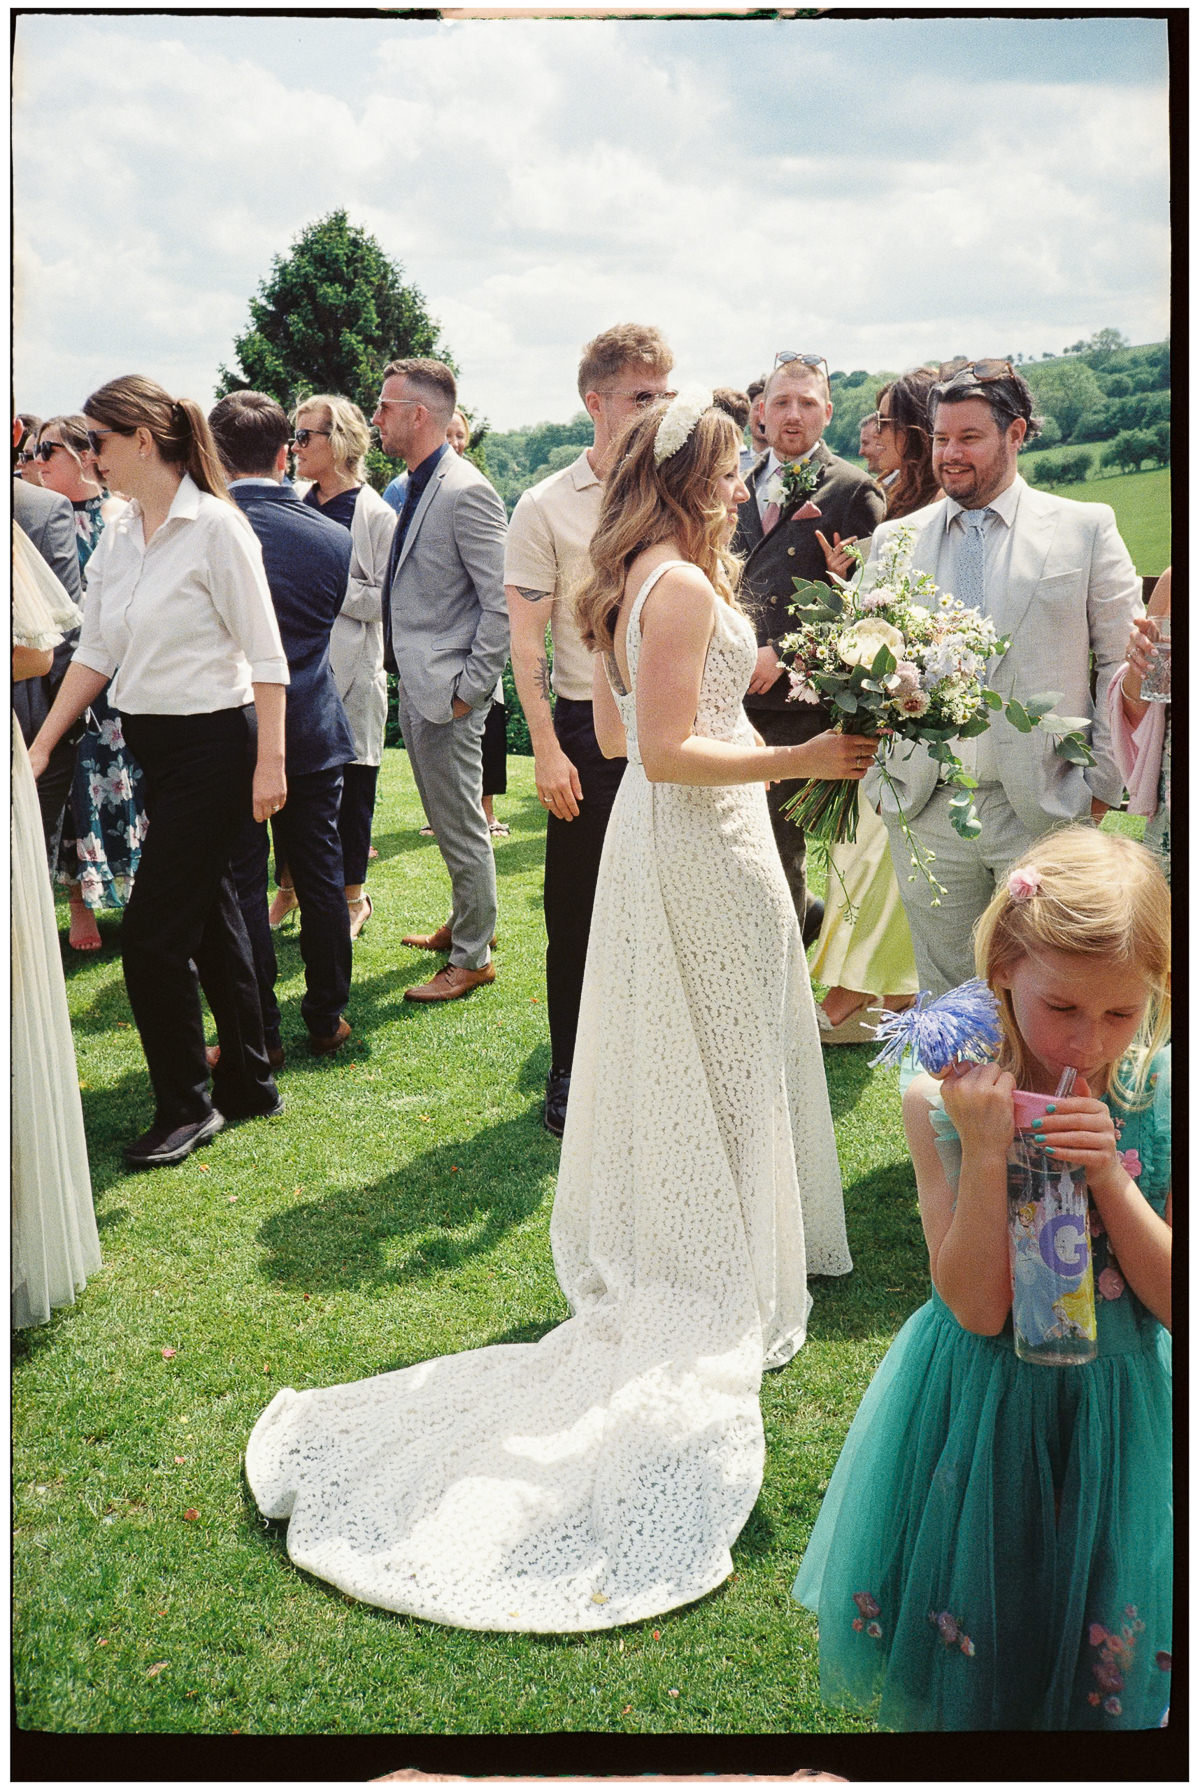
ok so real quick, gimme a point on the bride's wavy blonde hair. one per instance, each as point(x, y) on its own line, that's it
point(644, 504)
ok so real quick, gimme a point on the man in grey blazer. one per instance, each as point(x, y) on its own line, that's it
point(446, 637)
point(1056, 577)
point(49, 521)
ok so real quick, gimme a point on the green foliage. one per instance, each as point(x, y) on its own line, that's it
point(1065, 390)
point(331, 314)
point(518, 458)
point(1129, 449)
point(399, 1209)
point(1064, 469)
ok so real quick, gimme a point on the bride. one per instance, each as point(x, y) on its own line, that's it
point(601, 1475)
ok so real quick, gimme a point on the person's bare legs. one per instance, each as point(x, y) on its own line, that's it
point(85, 933)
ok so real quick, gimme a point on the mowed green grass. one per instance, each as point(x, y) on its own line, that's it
point(398, 1210)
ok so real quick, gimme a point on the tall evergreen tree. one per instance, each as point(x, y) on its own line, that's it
point(332, 313)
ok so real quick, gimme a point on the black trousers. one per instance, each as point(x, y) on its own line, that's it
point(183, 929)
point(307, 839)
point(573, 849)
point(355, 815)
point(495, 751)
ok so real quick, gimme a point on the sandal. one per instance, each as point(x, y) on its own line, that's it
point(285, 903)
point(85, 933)
point(426, 832)
point(498, 829)
point(857, 1027)
point(358, 918)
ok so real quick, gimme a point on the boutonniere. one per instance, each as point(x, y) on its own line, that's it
point(797, 482)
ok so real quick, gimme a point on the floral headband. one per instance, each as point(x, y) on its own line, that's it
point(679, 419)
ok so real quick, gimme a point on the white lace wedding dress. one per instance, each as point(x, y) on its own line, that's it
point(601, 1475)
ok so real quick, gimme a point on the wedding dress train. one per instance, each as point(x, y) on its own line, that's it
point(601, 1475)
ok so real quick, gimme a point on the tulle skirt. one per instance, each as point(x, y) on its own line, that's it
point(994, 1549)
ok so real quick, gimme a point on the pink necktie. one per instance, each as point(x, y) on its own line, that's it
point(770, 517)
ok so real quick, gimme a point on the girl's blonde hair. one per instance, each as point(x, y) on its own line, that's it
point(644, 504)
point(349, 433)
point(1095, 895)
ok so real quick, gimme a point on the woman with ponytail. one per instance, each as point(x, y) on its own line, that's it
point(179, 618)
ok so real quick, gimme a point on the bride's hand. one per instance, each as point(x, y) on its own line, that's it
point(835, 755)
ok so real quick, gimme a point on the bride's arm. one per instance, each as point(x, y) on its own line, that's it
point(677, 625)
point(606, 717)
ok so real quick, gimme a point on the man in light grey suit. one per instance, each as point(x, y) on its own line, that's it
point(1056, 577)
point(446, 635)
point(49, 521)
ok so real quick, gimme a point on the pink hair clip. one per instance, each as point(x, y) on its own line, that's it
point(1024, 883)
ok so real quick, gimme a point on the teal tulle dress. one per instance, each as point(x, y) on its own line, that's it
point(994, 1549)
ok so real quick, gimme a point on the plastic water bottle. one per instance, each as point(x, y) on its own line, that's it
point(1050, 1249)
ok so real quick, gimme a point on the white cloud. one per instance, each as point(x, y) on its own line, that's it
point(541, 180)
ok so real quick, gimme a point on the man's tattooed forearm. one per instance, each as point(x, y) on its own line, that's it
point(534, 596)
point(541, 677)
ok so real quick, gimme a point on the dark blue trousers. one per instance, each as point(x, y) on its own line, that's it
point(307, 840)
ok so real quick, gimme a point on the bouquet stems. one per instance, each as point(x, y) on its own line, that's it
point(826, 808)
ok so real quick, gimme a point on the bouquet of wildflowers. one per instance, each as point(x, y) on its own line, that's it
point(902, 659)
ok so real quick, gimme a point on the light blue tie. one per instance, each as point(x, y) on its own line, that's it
point(970, 560)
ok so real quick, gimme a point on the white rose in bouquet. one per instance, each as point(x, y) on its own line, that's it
point(862, 640)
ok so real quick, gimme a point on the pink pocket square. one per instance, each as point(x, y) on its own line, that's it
point(807, 512)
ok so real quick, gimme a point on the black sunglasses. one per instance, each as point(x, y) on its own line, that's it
point(44, 449)
point(302, 437)
point(96, 436)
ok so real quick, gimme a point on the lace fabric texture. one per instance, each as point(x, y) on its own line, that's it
point(601, 1475)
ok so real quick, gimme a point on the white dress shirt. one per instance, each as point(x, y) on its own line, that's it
point(183, 623)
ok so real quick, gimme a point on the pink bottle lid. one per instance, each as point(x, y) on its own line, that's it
point(1027, 1107)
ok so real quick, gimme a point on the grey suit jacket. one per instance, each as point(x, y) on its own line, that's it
point(1072, 590)
point(448, 614)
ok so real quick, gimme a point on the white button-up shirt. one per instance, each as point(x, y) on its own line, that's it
point(183, 623)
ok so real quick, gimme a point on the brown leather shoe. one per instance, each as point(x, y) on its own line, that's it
point(452, 981)
point(430, 941)
point(275, 1055)
point(435, 941)
point(325, 1047)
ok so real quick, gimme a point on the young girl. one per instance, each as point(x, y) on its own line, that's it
point(994, 1549)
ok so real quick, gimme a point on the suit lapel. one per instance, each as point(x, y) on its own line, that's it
point(1034, 526)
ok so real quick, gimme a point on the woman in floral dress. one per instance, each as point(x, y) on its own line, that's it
point(105, 819)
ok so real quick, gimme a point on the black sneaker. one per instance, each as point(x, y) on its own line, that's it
point(237, 1116)
point(558, 1086)
point(163, 1146)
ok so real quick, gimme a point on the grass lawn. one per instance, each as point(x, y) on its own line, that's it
point(400, 1209)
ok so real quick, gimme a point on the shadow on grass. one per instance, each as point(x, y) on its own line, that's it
point(884, 1228)
point(848, 1073)
point(435, 1213)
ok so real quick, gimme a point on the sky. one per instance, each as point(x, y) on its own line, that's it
point(876, 190)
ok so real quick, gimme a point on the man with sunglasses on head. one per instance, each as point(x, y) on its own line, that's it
point(622, 370)
point(786, 532)
point(1055, 576)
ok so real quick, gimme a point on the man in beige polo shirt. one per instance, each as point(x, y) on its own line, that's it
point(545, 562)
